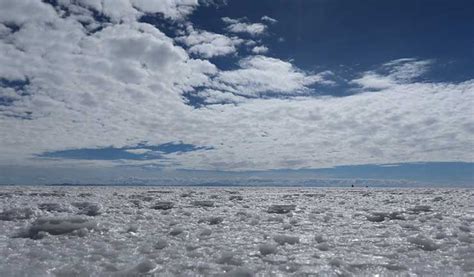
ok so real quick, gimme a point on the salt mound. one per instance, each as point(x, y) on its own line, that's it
point(424, 243)
point(203, 203)
point(176, 231)
point(187, 194)
point(281, 209)
point(421, 208)
point(160, 191)
point(205, 233)
point(144, 268)
point(52, 207)
point(142, 197)
point(164, 205)
point(313, 195)
point(236, 197)
point(212, 220)
point(6, 194)
point(49, 194)
point(266, 249)
point(17, 214)
point(229, 258)
point(319, 238)
point(161, 243)
point(464, 228)
point(324, 246)
point(59, 225)
point(381, 216)
point(240, 272)
point(465, 238)
point(88, 208)
point(282, 239)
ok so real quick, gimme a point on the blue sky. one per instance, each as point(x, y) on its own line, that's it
point(354, 36)
point(205, 89)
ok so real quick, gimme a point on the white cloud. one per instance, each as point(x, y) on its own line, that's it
point(20, 12)
point(208, 45)
point(215, 3)
point(129, 10)
point(371, 80)
point(91, 4)
point(229, 20)
point(394, 72)
point(269, 19)
point(175, 9)
point(261, 74)
point(212, 96)
point(139, 151)
point(260, 49)
point(405, 70)
point(409, 123)
point(82, 83)
point(240, 26)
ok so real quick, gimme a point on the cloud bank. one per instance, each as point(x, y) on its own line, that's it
point(91, 75)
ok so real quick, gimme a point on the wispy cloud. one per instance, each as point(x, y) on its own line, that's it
point(242, 26)
point(207, 44)
point(260, 74)
point(269, 19)
point(400, 71)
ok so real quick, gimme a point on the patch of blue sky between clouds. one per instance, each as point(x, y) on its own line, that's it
point(12, 90)
point(138, 152)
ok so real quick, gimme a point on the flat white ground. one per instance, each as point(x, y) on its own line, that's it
point(189, 231)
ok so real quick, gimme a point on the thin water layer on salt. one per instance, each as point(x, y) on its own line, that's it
point(187, 231)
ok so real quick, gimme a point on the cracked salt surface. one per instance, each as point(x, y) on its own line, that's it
point(188, 231)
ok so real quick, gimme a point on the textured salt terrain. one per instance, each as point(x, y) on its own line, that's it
point(188, 231)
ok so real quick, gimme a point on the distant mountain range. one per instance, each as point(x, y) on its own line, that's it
point(256, 182)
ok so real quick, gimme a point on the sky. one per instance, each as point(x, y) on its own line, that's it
point(114, 91)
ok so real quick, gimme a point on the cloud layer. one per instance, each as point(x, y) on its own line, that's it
point(90, 75)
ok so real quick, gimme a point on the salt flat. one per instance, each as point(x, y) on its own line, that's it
point(227, 231)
